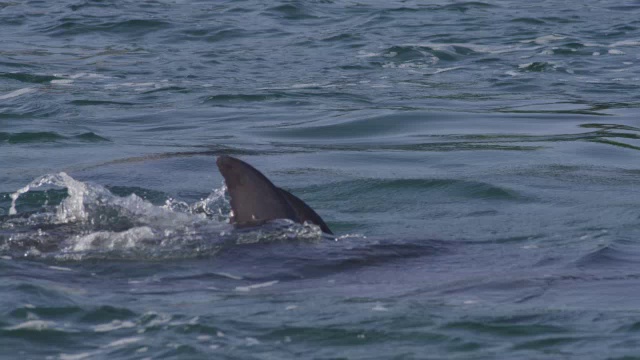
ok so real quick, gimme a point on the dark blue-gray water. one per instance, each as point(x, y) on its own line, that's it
point(478, 162)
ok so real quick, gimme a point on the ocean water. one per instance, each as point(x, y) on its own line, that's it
point(478, 162)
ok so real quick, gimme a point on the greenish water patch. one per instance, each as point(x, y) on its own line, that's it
point(212, 36)
point(336, 336)
point(374, 188)
point(45, 312)
point(28, 78)
point(15, 64)
point(291, 12)
point(465, 6)
point(506, 330)
point(616, 143)
point(41, 336)
point(47, 137)
point(607, 127)
point(547, 344)
point(358, 128)
point(527, 20)
point(34, 200)
point(100, 102)
point(30, 137)
point(289, 97)
point(438, 147)
point(77, 26)
point(227, 98)
point(538, 66)
point(91, 137)
point(106, 314)
point(177, 89)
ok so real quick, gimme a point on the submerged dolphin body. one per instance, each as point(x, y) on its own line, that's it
point(255, 200)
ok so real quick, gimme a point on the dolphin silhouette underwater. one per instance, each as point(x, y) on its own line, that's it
point(255, 200)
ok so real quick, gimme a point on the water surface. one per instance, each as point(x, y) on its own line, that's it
point(477, 161)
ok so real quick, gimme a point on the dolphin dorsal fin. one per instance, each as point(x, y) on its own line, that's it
point(304, 212)
point(256, 200)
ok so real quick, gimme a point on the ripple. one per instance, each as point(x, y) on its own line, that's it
point(528, 20)
point(373, 188)
point(216, 35)
point(47, 137)
point(80, 26)
point(38, 331)
point(28, 77)
point(356, 128)
point(101, 102)
point(469, 5)
point(230, 98)
point(612, 255)
point(502, 329)
point(47, 312)
point(30, 137)
point(295, 96)
point(538, 66)
point(17, 93)
point(291, 12)
point(106, 314)
point(548, 343)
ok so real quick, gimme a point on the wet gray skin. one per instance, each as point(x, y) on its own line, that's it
point(256, 200)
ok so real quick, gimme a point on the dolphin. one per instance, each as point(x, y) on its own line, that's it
point(256, 200)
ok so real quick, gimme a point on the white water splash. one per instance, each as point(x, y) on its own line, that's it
point(73, 208)
point(111, 240)
point(215, 206)
point(280, 230)
point(92, 222)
